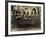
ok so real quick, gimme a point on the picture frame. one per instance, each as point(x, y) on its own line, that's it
point(11, 6)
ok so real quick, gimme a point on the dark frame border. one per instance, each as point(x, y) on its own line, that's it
point(6, 18)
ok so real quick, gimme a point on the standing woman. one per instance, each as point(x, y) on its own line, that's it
point(33, 16)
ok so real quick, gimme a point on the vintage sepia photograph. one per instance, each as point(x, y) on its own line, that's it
point(25, 18)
